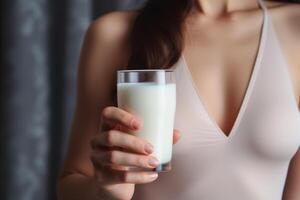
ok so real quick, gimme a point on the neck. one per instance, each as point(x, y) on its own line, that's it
point(217, 8)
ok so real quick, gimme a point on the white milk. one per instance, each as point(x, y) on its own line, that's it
point(155, 105)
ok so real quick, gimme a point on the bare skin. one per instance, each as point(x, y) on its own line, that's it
point(212, 27)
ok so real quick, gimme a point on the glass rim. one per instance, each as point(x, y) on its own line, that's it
point(144, 70)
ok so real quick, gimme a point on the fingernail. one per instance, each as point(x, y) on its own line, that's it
point(136, 123)
point(153, 162)
point(148, 148)
point(153, 176)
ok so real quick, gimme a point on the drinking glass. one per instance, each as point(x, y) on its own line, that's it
point(151, 96)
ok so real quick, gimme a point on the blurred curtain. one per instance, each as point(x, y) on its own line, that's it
point(40, 44)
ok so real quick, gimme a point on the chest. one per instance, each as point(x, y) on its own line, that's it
point(267, 125)
point(221, 62)
point(221, 72)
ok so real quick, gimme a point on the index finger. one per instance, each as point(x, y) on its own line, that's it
point(116, 116)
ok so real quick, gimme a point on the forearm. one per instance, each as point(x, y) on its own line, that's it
point(80, 187)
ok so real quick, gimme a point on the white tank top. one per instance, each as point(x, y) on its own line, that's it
point(252, 162)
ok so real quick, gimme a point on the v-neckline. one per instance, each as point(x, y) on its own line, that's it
point(249, 88)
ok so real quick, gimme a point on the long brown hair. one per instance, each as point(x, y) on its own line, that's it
point(156, 38)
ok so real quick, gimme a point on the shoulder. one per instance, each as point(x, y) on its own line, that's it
point(106, 44)
point(111, 30)
point(113, 26)
point(105, 49)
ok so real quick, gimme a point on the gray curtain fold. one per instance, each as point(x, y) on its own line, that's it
point(40, 45)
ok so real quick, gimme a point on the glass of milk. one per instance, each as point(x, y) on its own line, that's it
point(151, 96)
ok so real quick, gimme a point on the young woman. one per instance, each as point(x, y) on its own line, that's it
point(237, 67)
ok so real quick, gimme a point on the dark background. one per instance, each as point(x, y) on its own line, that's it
point(40, 44)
